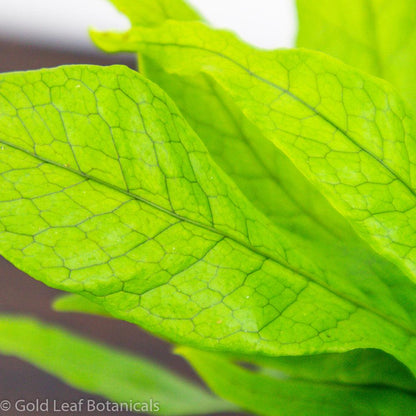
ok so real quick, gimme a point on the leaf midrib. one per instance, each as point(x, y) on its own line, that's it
point(224, 234)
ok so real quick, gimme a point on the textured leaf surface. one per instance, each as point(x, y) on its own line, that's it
point(377, 36)
point(107, 192)
point(352, 367)
point(347, 132)
point(268, 178)
point(265, 395)
point(113, 374)
point(264, 174)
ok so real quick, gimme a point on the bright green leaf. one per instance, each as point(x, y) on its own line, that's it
point(118, 376)
point(108, 193)
point(348, 133)
point(270, 181)
point(261, 171)
point(377, 36)
point(264, 174)
point(266, 395)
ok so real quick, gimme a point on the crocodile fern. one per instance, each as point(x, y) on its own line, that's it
point(249, 206)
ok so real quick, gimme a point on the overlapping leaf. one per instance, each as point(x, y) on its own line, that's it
point(107, 192)
point(127, 208)
point(265, 175)
point(349, 133)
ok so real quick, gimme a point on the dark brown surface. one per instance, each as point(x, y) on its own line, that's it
point(16, 56)
point(21, 294)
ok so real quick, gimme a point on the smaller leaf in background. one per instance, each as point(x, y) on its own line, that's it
point(116, 375)
point(153, 12)
point(376, 36)
point(270, 396)
point(262, 172)
point(352, 367)
point(77, 303)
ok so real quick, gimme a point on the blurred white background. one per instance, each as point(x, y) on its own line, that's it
point(64, 23)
